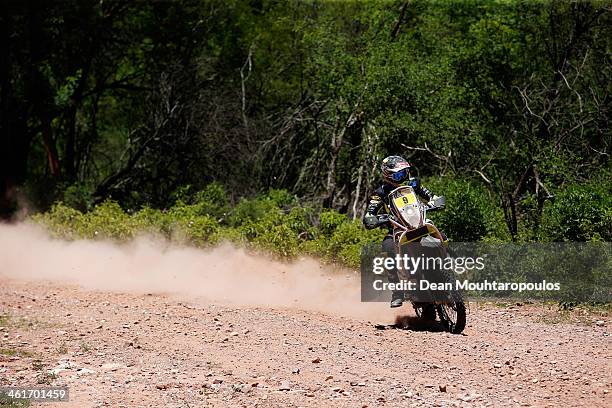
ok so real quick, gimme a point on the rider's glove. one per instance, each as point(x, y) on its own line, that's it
point(373, 221)
point(370, 221)
point(432, 202)
point(384, 218)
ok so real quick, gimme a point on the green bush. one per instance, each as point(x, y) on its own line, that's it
point(340, 239)
point(78, 195)
point(198, 230)
point(212, 201)
point(330, 220)
point(581, 212)
point(300, 220)
point(348, 239)
point(152, 221)
point(230, 234)
point(272, 222)
point(276, 223)
point(61, 221)
point(281, 198)
point(471, 214)
point(251, 210)
point(107, 221)
point(189, 223)
point(278, 239)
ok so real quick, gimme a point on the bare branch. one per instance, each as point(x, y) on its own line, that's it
point(446, 159)
point(523, 93)
point(247, 64)
point(571, 89)
point(399, 21)
point(540, 184)
point(483, 176)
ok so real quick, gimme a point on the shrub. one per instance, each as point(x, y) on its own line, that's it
point(188, 223)
point(279, 239)
point(197, 230)
point(107, 220)
point(471, 214)
point(212, 201)
point(229, 234)
point(61, 221)
point(299, 220)
point(581, 212)
point(78, 196)
point(276, 223)
point(348, 239)
point(251, 210)
point(330, 220)
point(152, 221)
point(281, 198)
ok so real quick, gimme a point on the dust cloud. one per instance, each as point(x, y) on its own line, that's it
point(224, 274)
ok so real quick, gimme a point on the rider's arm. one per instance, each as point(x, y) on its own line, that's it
point(370, 218)
point(421, 190)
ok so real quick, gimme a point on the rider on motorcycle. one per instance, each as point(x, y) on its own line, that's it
point(396, 172)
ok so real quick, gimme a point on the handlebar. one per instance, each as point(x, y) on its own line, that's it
point(437, 204)
point(383, 217)
point(386, 217)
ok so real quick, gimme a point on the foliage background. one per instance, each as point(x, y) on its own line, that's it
point(264, 121)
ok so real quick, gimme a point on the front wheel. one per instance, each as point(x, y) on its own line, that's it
point(452, 314)
point(426, 311)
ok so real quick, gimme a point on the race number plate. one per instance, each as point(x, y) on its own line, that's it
point(405, 198)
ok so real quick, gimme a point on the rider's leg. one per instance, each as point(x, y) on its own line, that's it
point(388, 246)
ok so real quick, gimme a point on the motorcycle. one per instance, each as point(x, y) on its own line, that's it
point(408, 216)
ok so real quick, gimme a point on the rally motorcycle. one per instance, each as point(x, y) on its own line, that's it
point(412, 229)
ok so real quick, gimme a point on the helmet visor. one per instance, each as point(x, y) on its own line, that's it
point(400, 175)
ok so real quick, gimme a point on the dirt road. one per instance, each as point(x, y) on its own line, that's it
point(128, 350)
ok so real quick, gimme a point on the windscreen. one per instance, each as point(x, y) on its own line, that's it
point(407, 207)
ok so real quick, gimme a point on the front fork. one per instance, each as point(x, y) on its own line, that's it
point(399, 238)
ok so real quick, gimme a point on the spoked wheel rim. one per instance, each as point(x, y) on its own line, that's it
point(425, 311)
point(450, 312)
point(452, 315)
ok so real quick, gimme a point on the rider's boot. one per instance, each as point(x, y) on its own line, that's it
point(397, 298)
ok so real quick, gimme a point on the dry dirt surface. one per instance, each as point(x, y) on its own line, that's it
point(128, 350)
point(151, 324)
